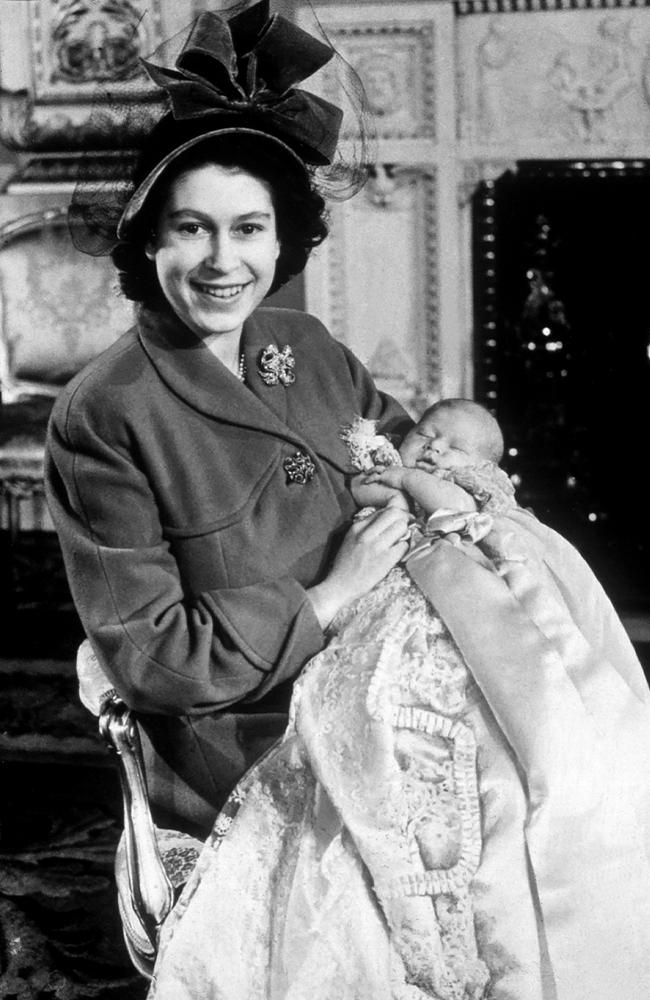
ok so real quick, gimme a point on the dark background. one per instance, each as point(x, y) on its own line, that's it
point(575, 417)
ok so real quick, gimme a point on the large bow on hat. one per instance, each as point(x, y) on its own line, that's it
point(245, 69)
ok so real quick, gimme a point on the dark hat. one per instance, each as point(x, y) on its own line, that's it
point(237, 76)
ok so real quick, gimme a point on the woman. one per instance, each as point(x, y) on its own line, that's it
point(194, 471)
point(199, 484)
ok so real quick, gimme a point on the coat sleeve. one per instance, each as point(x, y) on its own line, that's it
point(376, 405)
point(163, 651)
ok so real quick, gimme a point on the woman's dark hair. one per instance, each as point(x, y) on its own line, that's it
point(300, 209)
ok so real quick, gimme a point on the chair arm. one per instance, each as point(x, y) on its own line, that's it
point(151, 890)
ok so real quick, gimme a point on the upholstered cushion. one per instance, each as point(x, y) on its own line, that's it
point(59, 308)
point(22, 436)
point(94, 685)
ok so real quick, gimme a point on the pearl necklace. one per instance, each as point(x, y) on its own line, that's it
point(241, 368)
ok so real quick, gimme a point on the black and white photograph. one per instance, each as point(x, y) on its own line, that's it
point(324, 359)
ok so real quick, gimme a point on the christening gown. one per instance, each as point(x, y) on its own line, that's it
point(459, 807)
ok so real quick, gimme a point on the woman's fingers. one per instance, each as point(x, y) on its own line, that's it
point(370, 549)
point(390, 523)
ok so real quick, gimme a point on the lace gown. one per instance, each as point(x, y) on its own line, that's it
point(424, 831)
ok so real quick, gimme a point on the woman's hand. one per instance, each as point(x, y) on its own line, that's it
point(368, 552)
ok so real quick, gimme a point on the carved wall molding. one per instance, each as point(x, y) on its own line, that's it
point(377, 280)
point(430, 390)
point(386, 307)
point(71, 76)
point(395, 62)
point(26, 125)
point(553, 84)
point(78, 46)
point(333, 277)
point(469, 7)
point(475, 172)
point(61, 173)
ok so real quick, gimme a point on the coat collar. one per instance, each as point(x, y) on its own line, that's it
point(193, 373)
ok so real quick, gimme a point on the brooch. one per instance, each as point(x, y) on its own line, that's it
point(299, 468)
point(277, 366)
point(366, 447)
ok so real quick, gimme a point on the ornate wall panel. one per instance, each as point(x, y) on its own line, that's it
point(77, 47)
point(64, 63)
point(555, 84)
point(378, 280)
point(374, 281)
point(395, 61)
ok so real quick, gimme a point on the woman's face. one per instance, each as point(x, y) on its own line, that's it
point(215, 248)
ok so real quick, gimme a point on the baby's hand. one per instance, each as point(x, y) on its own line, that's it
point(373, 493)
point(390, 475)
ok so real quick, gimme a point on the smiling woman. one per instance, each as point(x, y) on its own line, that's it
point(215, 253)
point(456, 809)
point(299, 208)
point(195, 471)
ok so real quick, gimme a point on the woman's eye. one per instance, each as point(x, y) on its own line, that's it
point(190, 228)
point(249, 228)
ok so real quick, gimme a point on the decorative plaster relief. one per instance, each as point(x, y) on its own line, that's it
point(85, 76)
point(558, 83)
point(76, 46)
point(72, 127)
point(375, 282)
point(395, 62)
point(475, 172)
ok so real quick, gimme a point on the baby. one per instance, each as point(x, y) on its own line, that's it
point(448, 460)
point(460, 807)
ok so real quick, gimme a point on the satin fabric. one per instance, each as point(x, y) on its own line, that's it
point(565, 687)
point(459, 808)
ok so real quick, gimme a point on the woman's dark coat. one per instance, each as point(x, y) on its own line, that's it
point(187, 546)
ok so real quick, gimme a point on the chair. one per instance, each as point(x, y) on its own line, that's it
point(151, 864)
point(58, 310)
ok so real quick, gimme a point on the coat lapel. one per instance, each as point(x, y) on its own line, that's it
point(192, 372)
point(310, 403)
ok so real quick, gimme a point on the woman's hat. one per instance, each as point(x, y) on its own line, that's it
point(238, 76)
point(232, 75)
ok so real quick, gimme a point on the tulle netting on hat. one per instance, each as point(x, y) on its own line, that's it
point(247, 84)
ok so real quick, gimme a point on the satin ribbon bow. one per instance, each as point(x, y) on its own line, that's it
point(471, 525)
point(245, 69)
point(456, 527)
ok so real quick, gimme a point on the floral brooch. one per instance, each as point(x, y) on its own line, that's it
point(277, 366)
point(366, 447)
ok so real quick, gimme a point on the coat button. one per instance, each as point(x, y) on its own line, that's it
point(299, 468)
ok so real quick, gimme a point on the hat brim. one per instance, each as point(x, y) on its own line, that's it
point(142, 192)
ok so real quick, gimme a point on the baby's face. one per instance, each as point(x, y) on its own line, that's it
point(446, 439)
